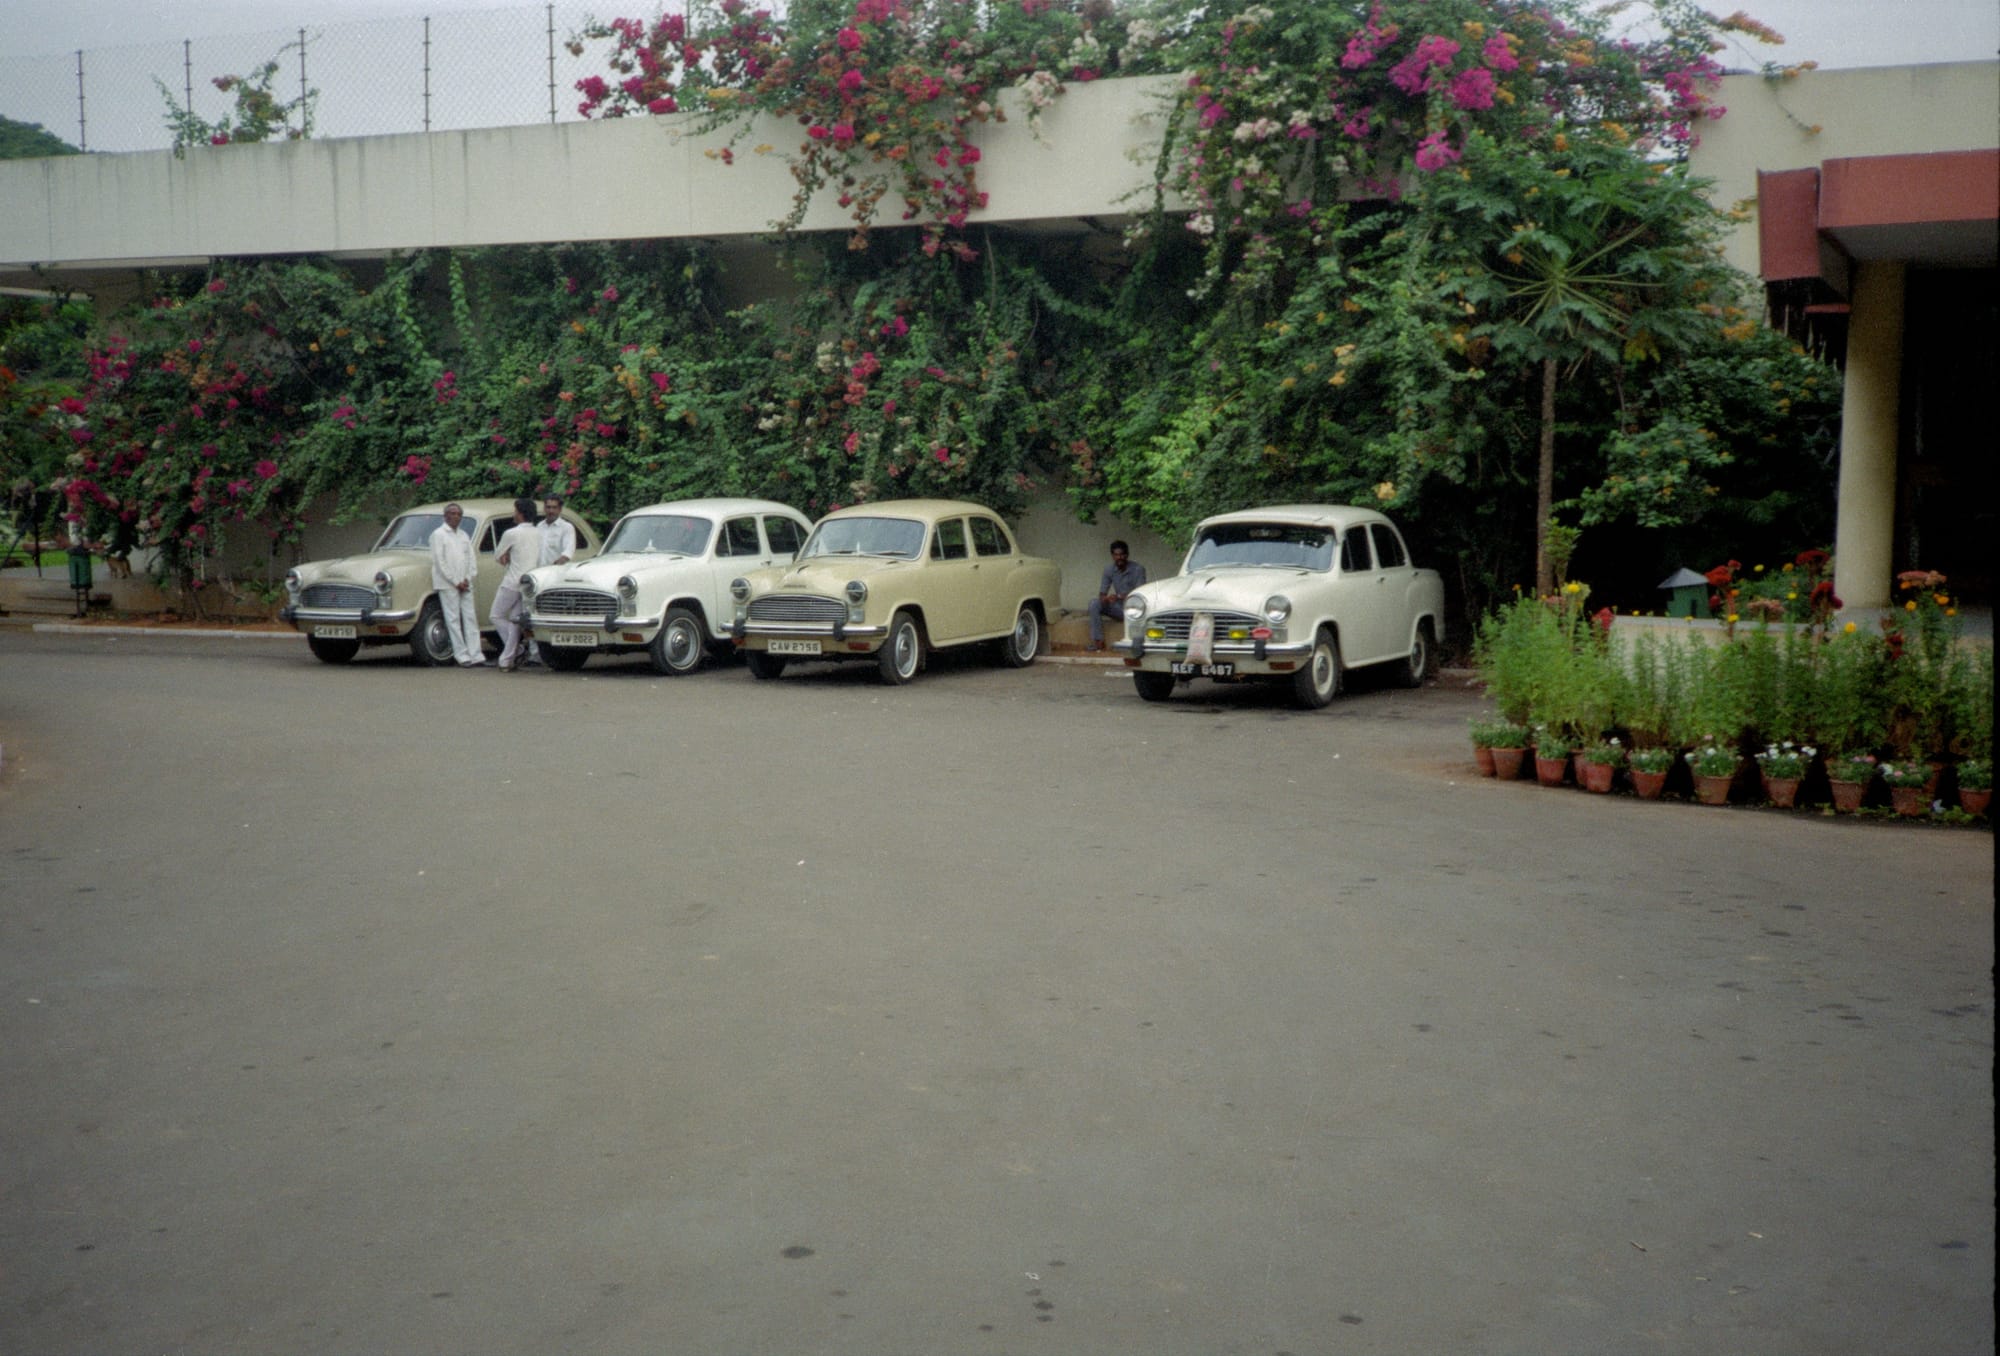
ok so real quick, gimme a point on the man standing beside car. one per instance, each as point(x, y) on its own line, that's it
point(520, 550)
point(558, 545)
point(453, 567)
point(1120, 577)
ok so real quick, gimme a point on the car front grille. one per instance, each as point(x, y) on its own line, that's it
point(338, 595)
point(575, 603)
point(793, 607)
point(1176, 625)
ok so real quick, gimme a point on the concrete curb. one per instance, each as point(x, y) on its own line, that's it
point(68, 629)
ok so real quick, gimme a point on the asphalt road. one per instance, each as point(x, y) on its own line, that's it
point(383, 1010)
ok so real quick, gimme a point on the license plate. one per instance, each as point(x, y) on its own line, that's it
point(584, 640)
point(334, 632)
point(793, 647)
point(1182, 670)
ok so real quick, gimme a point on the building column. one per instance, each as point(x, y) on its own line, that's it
point(1865, 522)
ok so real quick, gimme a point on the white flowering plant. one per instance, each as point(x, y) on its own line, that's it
point(1785, 760)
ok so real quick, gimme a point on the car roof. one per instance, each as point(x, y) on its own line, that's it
point(716, 507)
point(927, 509)
point(1338, 516)
point(480, 508)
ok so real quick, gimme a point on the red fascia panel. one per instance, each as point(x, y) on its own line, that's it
point(1788, 224)
point(1909, 190)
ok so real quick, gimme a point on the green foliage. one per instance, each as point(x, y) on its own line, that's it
point(29, 140)
point(257, 114)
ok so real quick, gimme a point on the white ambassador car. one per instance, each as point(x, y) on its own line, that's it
point(1296, 593)
point(661, 582)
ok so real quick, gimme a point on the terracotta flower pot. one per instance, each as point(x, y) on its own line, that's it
point(1484, 757)
point(1648, 785)
point(1910, 801)
point(1847, 796)
point(1507, 763)
point(1782, 792)
point(1551, 771)
point(1975, 800)
point(1713, 790)
point(1596, 776)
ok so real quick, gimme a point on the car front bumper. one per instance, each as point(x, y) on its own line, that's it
point(835, 639)
point(361, 618)
point(1245, 658)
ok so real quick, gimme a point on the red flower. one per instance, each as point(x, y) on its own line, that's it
point(266, 469)
point(849, 39)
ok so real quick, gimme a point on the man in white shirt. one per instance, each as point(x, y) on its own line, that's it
point(558, 545)
point(520, 550)
point(454, 566)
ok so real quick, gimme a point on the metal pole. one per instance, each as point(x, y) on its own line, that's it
point(427, 72)
point(305, 109)
point(187, 72)
point(82, 128)
point(552, 63)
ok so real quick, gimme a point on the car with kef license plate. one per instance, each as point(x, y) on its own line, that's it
point(889, 582)
point(384, 596)
point(661, 583)
point(1292, 593)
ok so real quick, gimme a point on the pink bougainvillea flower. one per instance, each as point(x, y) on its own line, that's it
point(1499, 53)
point(969, 156)
point(818, 133)
point(849, 39)
point(217, 285)
point(610, 294)
point(665, 104)
point(943, 454)
point(851, 83)
point(896, 328)
point(1434, 152)
point(843, 132)
point(1473, 88)
point(661, 383)
point(266, 469)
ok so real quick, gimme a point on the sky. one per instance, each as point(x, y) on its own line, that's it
point(490, 66)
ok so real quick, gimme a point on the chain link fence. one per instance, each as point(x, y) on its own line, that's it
point(449, 72)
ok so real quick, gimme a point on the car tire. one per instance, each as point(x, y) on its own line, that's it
point(1153, 687)
point(430, 639)
point(564, 658)
point(764, 666)
point(1417, 665)
point(1020, 646)
point(333, 651)
point(902, 652)
point(1319, 681)
point(680, 646)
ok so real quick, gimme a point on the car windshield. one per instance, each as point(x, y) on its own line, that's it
point(412, 531)
point(901, 538)
point(1286, 545)
point(660, 534)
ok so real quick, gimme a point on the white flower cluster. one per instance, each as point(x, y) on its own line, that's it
point(1201, 223)
point(1255, 131)
point(1141, 33)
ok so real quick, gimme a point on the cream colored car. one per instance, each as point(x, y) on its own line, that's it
point(1295, 593)
point(661, 583)
point(892, 581)
point(384, 596)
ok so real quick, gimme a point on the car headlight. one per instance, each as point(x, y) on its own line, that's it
point(1135, 608)
point(857, 592)
point(1277, 609)
point(385, 587)
point(527, 588)
point(628, 592)
point(292, 584)
point(739, 589)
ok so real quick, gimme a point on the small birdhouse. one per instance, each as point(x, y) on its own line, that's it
point(1687, 594)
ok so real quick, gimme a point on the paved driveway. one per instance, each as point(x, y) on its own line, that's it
point(375, 1009)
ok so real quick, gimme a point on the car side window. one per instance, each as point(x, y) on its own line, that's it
point(989, 538)
point(784, 536)
point(739, 538)
point(489, 538)
point(1354, 556)
point(1388, 546)
point(949, 541)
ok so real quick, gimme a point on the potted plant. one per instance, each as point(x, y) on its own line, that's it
point(1552, 751)
point(1649, 768)
point(1783, 766)
point(1849, 776)
point(1975, 785)
point(1909, 781)
point(1600, 764)
point(1714, 767)
point(1490, 738)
